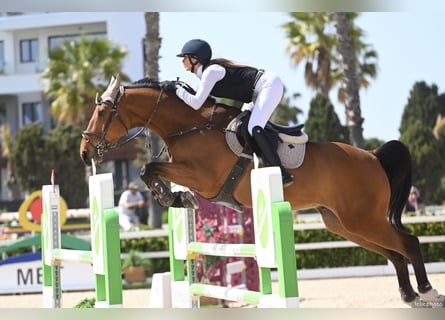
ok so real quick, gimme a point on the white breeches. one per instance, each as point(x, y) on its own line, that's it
point(267, 96)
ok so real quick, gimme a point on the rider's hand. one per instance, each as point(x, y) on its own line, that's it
point(180, 92)
point(168, 85)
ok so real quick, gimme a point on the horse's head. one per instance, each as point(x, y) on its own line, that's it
point(105, 126)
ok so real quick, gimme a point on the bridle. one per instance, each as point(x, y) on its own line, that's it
point(103, 145)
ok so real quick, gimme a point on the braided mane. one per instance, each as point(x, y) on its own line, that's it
point(146, 83)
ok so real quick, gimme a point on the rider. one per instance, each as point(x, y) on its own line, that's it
point(225, 79)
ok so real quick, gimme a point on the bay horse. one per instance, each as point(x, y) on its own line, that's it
point(360, 194)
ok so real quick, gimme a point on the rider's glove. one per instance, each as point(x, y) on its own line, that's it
point(180, 92)
point(168, 85)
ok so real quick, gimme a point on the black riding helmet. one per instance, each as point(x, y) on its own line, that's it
point(198, 48)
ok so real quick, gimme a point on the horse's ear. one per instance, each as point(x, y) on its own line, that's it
point(117, 79)
point(113, 79)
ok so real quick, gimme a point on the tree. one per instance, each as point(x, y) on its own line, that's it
point(428, 167)
point(350, 84)
point(424, 104)
point(286, 113)
point(152, 45)
point(322, 123)
point(28, 156)
point(35, 154)
point(76, 71)
point(11, 180)
point(63, 148)
point(417, 132)
point(373, 143)
point(312, 40)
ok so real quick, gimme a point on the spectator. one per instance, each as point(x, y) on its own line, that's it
point(415, 203)
point(129, 203)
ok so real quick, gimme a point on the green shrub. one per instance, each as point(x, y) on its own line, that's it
point(135, 259)
point(149, 245)
point(86, 303)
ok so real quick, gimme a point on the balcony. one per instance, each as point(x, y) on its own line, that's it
point(20, 83)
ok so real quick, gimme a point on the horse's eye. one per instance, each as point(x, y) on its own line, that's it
point(101, 113)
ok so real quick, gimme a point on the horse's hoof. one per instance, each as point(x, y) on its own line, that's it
point(433, 298)
point(189, 201)
point(430, 299)
point(418, 303)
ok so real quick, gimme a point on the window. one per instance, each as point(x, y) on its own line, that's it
point(32, 112)
point(56, 41)
point(29, 50)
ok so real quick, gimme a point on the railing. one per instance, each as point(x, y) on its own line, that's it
point(308, 222)
point(312, 222)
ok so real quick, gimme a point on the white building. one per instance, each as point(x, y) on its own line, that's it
point(24, 44)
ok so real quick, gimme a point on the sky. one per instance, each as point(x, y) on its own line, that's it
point(410, 46)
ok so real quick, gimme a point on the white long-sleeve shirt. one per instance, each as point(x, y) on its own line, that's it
point(267, 93)
point(209, 77)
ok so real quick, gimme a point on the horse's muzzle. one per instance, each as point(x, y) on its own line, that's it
point(84, 155)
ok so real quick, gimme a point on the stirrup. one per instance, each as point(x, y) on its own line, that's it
point(288, 180)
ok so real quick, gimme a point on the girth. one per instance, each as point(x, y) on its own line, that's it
point(225, 195)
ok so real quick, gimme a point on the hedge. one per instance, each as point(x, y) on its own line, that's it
point(310, 259)
point(357, 256)
point(307, 259)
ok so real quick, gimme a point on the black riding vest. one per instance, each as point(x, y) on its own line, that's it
point(237, 84)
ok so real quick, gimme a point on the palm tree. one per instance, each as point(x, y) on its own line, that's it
point(152, 45)
point(312, 40)
point(76, 71)
point(350, 83)
point(309, 42)
point(286, 112)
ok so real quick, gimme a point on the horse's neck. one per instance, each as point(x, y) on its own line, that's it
point(139, 109)
point(171, 114)
point(179, 116)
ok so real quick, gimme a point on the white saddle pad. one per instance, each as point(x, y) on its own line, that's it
point(291, 154)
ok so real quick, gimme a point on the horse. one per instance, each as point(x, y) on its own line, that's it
point(359, 193)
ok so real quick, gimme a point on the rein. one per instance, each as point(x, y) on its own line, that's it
point(103, 145)
point(208, 126)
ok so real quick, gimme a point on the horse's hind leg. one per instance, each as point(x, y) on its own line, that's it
point(408, 295)
point(428, 295)
point(391, 239)
point(163, 194)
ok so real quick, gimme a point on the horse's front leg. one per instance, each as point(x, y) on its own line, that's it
point(162, 193)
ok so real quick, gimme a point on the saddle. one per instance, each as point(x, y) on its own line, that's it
point(290, 143)
point(276, 133)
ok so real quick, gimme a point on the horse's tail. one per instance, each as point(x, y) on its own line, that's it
point(396, 160)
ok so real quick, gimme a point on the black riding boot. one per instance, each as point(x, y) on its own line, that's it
point(269, 155)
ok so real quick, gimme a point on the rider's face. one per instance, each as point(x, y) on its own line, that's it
point(186, 62)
